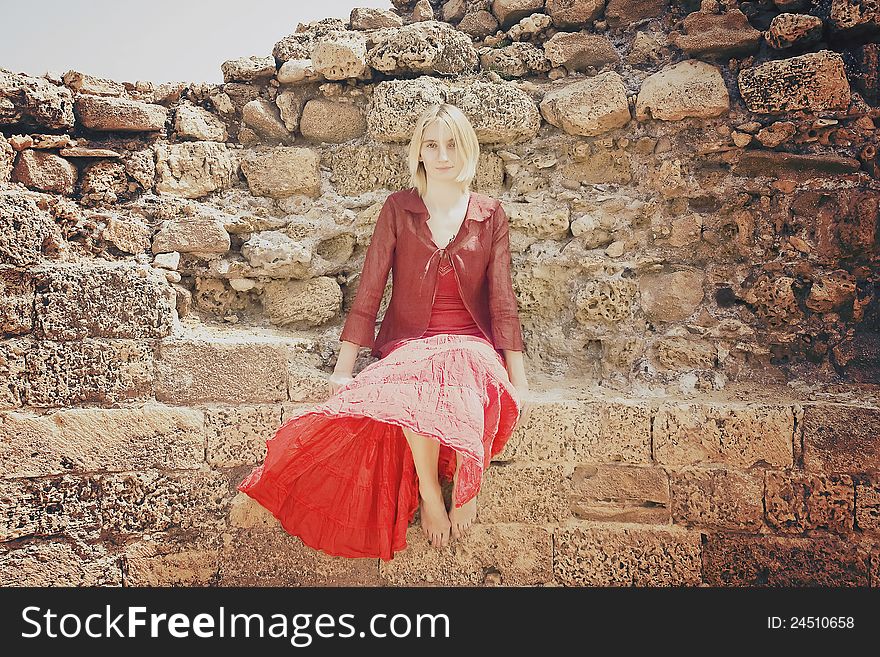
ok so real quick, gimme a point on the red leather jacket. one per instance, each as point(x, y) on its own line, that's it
point(402, 242)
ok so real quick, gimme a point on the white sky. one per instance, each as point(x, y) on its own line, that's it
point(155, 40)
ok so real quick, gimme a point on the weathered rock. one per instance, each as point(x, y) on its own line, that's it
point(509, 12)
point(283, 171)
point(304, 304)
point(865, 71)
point(16, 302)
point(515, 61)
point(83, 83)
point(857, 18)
point(27, 231)
point(478, 24)
point(237, 435)
point(815, 81)
point(340, 55)
point(248, 69)
point(567, 14)
point(59, 564)
point(264, 118)
point(589, 107)
point(102, 183)
point(34, 101)
point(198, 124)
point(82, 151)
point(369, 18)
point(717, 35)
point(128, 234)
point(787, 30)
point(426, 47)
point(717, 498)
point(621, 493)
point(203, 235)
point(7, 157)
point(841, 439)
point(290, 104)
point(332, 122)
point(688, 89)
point(295, 71)
point(119, 114)
point(798, 502)
point(669, 297)
point(773, 163)
point(578, 52)
point(625, 12)
point(358, 168)
point(45, 172)
point(194, 169)
point(776, 133)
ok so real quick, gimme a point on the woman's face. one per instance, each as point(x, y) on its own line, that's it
point(439, 152)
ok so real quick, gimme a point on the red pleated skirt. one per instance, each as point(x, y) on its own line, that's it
point(340, 475)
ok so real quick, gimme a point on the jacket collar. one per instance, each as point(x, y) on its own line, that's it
point(480, 207)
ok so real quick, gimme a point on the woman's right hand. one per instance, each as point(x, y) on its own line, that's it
point(337, 380)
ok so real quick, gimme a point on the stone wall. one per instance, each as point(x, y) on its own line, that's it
point(693, 195)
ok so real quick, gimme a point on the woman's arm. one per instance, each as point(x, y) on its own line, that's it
point(503, 310)
point(360, 325)
point(516, 371)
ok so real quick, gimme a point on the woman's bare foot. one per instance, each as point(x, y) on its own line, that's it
point(462, 517)
point(435, 521)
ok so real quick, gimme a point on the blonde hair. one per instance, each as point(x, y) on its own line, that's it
point(465, 138)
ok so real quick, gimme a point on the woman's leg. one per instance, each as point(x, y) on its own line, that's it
point(435, 521)
point(462, 517)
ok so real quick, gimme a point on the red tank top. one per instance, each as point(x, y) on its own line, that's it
point(448, 314)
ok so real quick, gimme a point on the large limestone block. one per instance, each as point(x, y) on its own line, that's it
point(176, 561)
point(672, 296)
point(16, 302)
point(103, 302)
point(589, 107)
point(283, 171)
point(841, 438)
point(119, 505)
point(499, 112)
point(797, 502)
point(194, 169)
point(742, 435)
point(196, 370)
point(688, 89)
point(363, 167)
point(621, 554)
point(499, 554)
point(272, 557)
point(747, 560)
point(525, 492)
point(304, 304)
point(107, 439)
point(237, 435)
point(621, 493)
point(84, 83)
point(717, 498)
point(717, 35)
point(332, 122)
point(119, 114)
point(815, 81)
point(44, 172)
point(200, 234)
point(340, 55)
point(87, 371)
point(34, 101)
point(196, 123)
point(429, 47)
point(583, 431)
point(58, 564)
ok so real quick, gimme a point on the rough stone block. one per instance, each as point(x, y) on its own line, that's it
point(583, 431)
point(868, 505)
point(621, 493)
point(618, 554)
point(101, 439)
point(48, 564)
point(488, 555)
point(796, 502)
point(27, 232)
point(750, 560)
point(173, 563)
point(525, 492)
point(196, 371)
point(16, 302)
point(733, 434)
point(719, 498)
point(840, 438)
point(237, 435)
point(256, 557)
point(104, 302)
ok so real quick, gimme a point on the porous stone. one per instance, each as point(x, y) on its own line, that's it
point(358, 168)
point(688, 89)
point(283, 171)
point(119, 114)
point(670, 297)
point(567, 14)
point(620, 493)
point(34, 101)
point(194, 169)
point(370, 18)
point(332, 122)
point(45, 172)
point(340, 55)
point(196, 123)
point(237, 435)
point(717, 35)
point(58, 564)
point(175, 562)
point(16, 302)
point(193, 371)
point(717, 498)
point(739, 435)
point(625, 12)
point(589, 107)
point(128, 234)
point(103, 302)
point(797, 502)
point(525, 492)
point(101, 439)
point(200, 234)
point(248, 69)
point(102, 183)
point(620, 554)
point(841, 438)
point(787, 30)
point(814, 81)
point(514, 61)
point(430, 47)
point(84, 83)
point(509, 12)
point(580, 52)
point(304, 304)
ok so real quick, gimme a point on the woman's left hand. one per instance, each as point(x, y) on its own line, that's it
point(525, 400)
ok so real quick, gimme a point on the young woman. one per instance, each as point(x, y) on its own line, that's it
point(449, 388)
